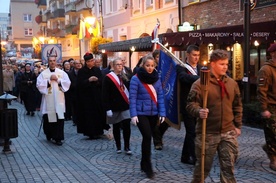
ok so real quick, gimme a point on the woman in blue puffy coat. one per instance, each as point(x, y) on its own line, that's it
point(146, 107)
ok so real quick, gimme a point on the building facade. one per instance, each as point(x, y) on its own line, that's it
point(4, 22)
point(23, 26)
point(125, 20)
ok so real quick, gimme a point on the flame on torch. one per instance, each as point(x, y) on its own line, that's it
point(204, 74)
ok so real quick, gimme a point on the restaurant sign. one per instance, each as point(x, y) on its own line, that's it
point(258, 3)
point(233, 35)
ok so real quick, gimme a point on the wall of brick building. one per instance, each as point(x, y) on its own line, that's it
point(217, 13)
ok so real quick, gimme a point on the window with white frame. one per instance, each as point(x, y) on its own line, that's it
point(120, 4)
point(109, 6)
point(28, 32)
point(193, 1)
point(136, 4)
point(27, 17)
point(149, 3)
point(169, 1)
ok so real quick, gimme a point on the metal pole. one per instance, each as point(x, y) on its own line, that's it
point(101, 16)
point(180, 18)
point(246, 78)
point(259, 57)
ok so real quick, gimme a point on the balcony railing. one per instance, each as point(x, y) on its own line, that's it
point(59, 13)
point(49, 15)
point(71, 29)
point(42, 4)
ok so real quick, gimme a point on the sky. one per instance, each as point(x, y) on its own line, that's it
point(5, 6)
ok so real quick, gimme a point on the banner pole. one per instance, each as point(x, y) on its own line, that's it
point(156, 40)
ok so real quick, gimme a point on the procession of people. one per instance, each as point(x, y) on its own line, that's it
point(100, 100)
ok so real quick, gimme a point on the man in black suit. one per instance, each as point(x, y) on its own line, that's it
point(73, 74)
point(126, 70)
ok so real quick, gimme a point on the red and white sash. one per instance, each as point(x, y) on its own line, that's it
point(152, 92)
point(116, 81)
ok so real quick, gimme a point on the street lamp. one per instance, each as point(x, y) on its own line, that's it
point(1, 74)
point(257, 44)
point(246, 78)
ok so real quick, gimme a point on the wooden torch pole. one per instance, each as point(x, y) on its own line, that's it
point(204, 82)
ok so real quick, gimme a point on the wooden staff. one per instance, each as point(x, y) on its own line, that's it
point(204, 82)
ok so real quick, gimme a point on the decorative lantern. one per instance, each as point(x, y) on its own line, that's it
point(38, 19)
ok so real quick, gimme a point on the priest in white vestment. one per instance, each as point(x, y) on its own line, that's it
point(52, 83)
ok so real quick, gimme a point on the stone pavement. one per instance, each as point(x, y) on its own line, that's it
point(34, 159)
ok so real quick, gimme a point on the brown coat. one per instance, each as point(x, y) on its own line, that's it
point(8, 80)
point(266, 90)
point(225, 113)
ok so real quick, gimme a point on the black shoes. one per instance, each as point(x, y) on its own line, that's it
point(30, 113)
point(128, 151)
point(159, 147)
point(147, 170)
point(190, 160)
point(48, 138)
point(150, 174)
point(58, 142)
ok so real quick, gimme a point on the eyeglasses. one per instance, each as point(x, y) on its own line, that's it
point(119, 64)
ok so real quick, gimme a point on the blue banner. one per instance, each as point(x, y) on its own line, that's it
point(168, 76)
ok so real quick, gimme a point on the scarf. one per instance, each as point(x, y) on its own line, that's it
point(222, 89)
point(148, 78)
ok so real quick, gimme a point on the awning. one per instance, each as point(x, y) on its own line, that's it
point(264, 32)
point(140, 44)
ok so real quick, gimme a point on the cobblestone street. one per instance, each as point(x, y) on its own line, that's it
point(34, 159)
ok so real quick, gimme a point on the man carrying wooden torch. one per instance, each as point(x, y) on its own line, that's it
point(219, 120)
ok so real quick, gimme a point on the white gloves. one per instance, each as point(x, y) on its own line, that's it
point(109, 113)
point(161, 119)
point(134, 120)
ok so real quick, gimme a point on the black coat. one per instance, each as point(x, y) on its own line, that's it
point(91, 116)
point(111, 97)
point(128, 72)
point(186, 80)
point(28, 90)
point(73, 87)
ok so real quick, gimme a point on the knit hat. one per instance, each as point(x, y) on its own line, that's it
point(87, 56)
point(272, 48)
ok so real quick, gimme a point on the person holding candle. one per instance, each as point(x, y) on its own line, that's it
point(223, 116)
